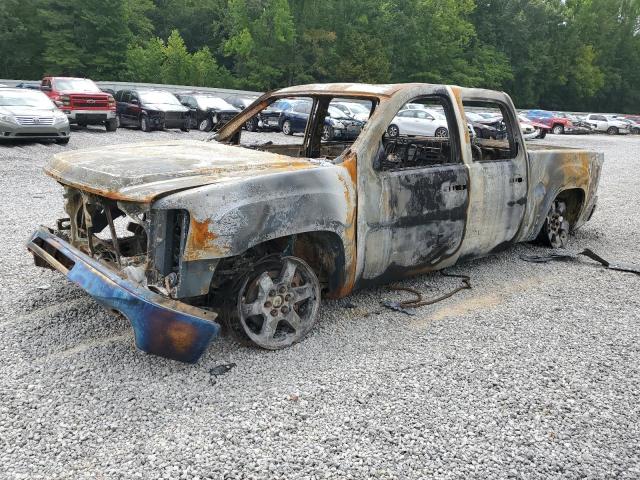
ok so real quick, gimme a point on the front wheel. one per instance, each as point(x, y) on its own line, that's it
point(251, 125)
point(442, 132)
point(286, 128)
point(556, 228)
point(327, 133)
point(276, 304)
point(111, 125)
point(393, 131)
point(612, 131)
point(205, 125)
point(557, 130)
point(144, 124)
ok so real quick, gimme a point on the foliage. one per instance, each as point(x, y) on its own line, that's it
point(561, 54)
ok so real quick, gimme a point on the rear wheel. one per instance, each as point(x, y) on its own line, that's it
point(612, 131)
point(274, 305)
point(286, 128)
point(557, 129)
point(556, 228)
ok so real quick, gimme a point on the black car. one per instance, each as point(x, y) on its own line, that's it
point(151, 109)
point(240, 102)
point(208, 112)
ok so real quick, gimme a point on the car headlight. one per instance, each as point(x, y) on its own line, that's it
point(59, 117)
point(8, 119)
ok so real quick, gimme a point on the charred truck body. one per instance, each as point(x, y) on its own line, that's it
point(180, 236)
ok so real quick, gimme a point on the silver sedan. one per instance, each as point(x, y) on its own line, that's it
point(30, 114)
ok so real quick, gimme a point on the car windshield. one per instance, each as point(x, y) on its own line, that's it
point(474, 117)
point(76, 85)
point(158, 97)
point(26, 98)
point(357, 108)
point(335, 112)
point(213, 102)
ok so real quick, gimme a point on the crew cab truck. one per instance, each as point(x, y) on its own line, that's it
point(82, 101)
point(183, 236)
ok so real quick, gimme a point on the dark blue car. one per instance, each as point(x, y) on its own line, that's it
point(292, 116)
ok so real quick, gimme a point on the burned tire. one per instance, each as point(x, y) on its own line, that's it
point(556, 228)
point(612, 131)
point(274, 305)
point(144, 124)
point(393, 131)
point(286, 128)
point(557, 129)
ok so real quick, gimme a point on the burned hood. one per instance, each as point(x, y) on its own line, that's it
point(145, 171)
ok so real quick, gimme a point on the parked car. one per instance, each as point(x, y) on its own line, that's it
point(557, 125)
point(608, 124)
point(82, 101)
point(484, 127)
point(110, 91)
point(540, 129)
point(240, 102)
point(292, 117)
point(269, 118)
point(151, 109)
point(418, 121)
point(634, 126)
point(28, 114)
point(353, 110)
point(254, 236)
point(208, 112)
point(30, 86)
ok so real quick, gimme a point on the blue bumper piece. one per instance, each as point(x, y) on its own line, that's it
point(162, 326)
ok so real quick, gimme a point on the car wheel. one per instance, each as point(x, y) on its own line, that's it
point(251, 125)
point(275, 304)
point(62, 141)
point(205, 125)
point(144, 124)
point(612, 131)
point(286, 128)
point(327, 133)
point(542, 133)
point(111, 125)
point(442, 133)
point(557, 129)
point(556, 228)
point(393, 131)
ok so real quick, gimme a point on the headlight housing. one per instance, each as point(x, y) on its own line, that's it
point(8, 119)
point(59, 117)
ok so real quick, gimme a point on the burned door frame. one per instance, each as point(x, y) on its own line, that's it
point(499, 196)
point(431, 199)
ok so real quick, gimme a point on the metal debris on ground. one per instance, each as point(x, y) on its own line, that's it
point(620, 267)
point(405, 305)
point(221, 369)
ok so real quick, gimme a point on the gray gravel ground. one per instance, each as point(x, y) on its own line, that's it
point(535, 373)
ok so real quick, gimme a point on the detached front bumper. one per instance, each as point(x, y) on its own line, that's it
point(162, 326)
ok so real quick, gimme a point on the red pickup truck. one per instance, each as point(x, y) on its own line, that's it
point(82, 101)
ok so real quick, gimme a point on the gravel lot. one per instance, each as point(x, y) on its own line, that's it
point(534, 373)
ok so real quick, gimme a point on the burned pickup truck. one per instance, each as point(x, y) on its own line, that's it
point(183, 236)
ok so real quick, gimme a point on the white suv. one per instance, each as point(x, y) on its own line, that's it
point(608, 124)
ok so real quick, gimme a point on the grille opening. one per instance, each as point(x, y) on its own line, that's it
point(54, 252)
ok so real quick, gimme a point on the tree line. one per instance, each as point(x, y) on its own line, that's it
point(556, 54)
